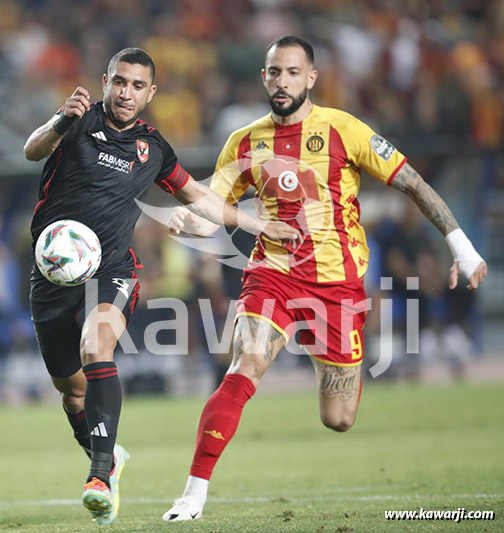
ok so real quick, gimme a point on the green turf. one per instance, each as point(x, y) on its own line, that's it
point(436, 447)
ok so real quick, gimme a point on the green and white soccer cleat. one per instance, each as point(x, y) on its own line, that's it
point(98, 498)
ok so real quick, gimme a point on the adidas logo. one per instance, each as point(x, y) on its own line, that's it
point(100, 430)
point(99, 135)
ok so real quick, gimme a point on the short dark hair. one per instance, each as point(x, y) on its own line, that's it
point(293, 40)
point(132, 56)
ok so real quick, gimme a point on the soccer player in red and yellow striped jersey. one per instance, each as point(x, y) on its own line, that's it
point(304, 162)
point(308, 173)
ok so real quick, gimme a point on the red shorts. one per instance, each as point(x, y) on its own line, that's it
point(333, 313)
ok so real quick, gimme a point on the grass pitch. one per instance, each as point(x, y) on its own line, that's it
point(413, 446)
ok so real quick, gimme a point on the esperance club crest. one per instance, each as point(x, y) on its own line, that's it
point(142, 151)
point(315, 143)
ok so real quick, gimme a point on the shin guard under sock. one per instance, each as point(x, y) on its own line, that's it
point(219, 421)
point(103, 407)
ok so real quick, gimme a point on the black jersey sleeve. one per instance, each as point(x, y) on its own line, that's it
point(76, 127)
point(171, 176)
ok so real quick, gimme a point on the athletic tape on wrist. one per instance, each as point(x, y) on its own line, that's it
point(63, 124)
point(463, 251)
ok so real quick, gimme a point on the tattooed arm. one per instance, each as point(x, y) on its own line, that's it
point(435, 209)
point(428, 200)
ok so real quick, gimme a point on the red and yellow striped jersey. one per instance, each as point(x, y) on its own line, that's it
point(308, 175)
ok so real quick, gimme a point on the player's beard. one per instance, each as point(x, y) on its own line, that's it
point(296, 103)
point(121, 124)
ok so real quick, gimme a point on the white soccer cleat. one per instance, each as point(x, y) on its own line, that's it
point(184, 508)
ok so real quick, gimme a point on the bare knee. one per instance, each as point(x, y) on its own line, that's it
point(256, 343)
point(97, 344)
point(249, 366)
point(101, 330)
point(338, 422)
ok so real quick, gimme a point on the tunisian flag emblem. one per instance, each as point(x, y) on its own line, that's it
point(143, 151)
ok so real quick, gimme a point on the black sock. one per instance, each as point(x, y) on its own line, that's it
point(103, 407)
point(81, 431)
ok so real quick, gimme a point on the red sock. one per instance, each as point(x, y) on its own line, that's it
point(219, 421)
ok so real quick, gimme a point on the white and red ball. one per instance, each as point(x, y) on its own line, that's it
point(68, 253)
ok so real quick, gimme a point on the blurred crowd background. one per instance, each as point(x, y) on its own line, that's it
point(427, 74)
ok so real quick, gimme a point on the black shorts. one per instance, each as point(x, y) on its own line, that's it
point(58, 313)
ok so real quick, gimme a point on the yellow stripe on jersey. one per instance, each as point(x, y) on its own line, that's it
point(229, 180)
point(315, 189)
point(327, 247)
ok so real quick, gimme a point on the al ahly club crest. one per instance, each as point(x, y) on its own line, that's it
point(142, 151)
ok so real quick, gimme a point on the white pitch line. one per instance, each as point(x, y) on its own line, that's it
point(278, 499)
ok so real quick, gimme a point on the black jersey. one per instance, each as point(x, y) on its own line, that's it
point(96, 173)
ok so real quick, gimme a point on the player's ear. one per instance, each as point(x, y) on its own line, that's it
point(104, 81)
point(312, 78)
point(263, 74)
point(152, 91)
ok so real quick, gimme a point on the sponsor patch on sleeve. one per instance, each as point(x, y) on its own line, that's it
point(382, 147)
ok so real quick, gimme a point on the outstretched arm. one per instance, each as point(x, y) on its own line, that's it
point(205, 203)
point(44, 140)
point(466, 259)
point(182, 220)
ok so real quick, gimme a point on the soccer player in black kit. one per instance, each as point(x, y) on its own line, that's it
point(102, 158)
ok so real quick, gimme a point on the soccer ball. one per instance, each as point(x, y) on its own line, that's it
point(68, 253)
